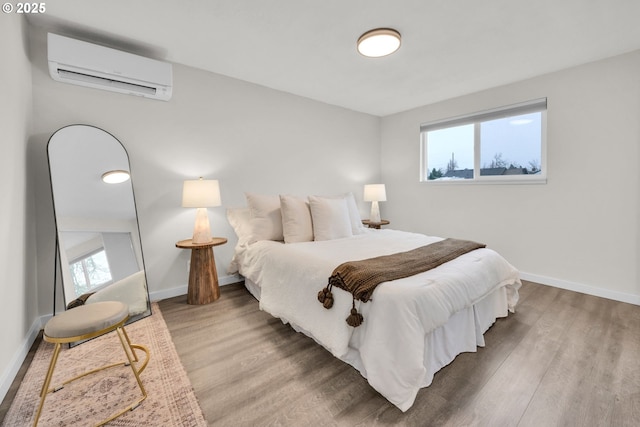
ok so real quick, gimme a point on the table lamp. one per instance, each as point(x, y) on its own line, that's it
point(375, 193)
point(201, 194)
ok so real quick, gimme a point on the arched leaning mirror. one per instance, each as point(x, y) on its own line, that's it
point(97, 226)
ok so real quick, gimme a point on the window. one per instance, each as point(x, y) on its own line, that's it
point(504, 145)
point(90, 272)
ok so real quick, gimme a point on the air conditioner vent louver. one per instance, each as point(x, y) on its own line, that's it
point(85, 64)
point(87, 78)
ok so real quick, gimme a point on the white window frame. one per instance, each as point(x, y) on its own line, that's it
point(533, 106)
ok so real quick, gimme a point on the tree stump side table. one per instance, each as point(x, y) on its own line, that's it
point(203, 276)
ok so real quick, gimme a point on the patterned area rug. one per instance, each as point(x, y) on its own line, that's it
point(170, 402)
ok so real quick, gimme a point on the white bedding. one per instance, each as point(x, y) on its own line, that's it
point(389, 348)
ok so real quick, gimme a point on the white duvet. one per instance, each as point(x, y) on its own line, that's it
point(391, 339)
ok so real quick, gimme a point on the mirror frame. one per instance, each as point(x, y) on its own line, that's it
point(135, 234)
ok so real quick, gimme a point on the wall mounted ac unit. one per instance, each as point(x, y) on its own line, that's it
point(85, 64)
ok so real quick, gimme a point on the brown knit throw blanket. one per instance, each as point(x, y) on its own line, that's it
point(362, 277)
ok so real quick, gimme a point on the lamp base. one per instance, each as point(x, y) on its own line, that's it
point(201, 229)
point(375, 212)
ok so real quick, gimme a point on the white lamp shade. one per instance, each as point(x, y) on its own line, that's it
point(201, 193)
point(375, 193)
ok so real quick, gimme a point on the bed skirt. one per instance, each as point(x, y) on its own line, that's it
point(464, 332)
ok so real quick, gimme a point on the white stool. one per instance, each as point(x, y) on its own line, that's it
point(85, 322)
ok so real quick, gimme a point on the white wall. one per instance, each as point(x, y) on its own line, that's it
point(582, 229)
point(249, 137)
point(18, 296)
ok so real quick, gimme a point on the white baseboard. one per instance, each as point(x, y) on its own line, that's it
point(582, 288)
point(182, 290)
point(16, 361)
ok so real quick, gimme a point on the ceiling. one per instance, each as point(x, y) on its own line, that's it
point(305, 47)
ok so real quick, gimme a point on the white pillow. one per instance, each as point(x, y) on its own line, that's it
point(296, 220)
point(240, 220)
point(354, 214)
point(330, 218)
point(357, 227)
point(266, 217)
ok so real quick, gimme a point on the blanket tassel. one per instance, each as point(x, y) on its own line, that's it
point(326, 297)
point(355, 319)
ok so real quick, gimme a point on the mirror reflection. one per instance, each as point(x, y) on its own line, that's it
point(99, 242)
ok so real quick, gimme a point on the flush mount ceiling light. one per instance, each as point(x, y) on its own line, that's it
point(115, 177)
point(379, 42)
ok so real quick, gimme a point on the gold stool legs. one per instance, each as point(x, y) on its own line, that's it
point(132, 359)
point(47, 381)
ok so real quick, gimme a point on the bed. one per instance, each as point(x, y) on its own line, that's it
point(412, 326)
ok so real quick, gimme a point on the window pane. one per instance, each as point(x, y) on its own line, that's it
point(98, 269)
point(79, 280)
point(450, 153)
point(90, 272)
point(511, 145)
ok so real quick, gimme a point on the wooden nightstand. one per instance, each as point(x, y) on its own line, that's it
point(375, 225)
point(203, 276)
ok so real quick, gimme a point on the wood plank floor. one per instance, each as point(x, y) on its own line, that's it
point(563, 359)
